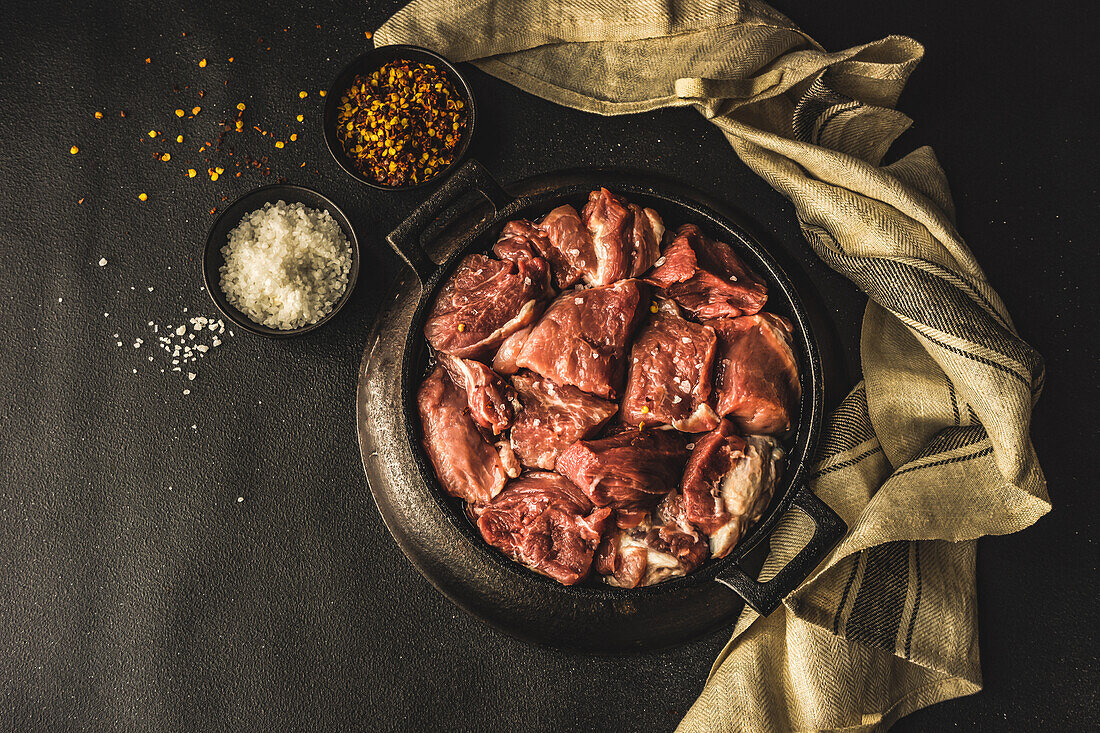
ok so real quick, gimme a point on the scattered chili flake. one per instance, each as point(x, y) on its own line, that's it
point(213, 211)
point(402, 123)
point(81, 200)
point(239, 125)
point(74, 150)
point(99, 115)
point(278, 143)
point(122, 113)
point(368, 34)
point(191, 173)
point(230, 59)
point(293, 137)
point(180, 113)
point(148, 60)
point(461, 327)
point(303, 95)
point(179, 138)
point(241, 106)
point(322, 92)
point(645, 409)
point(653, 308)
point(166, 157)
point(142, 197)
point(196, 110)
point(201, 94)
point(202, 64)
point(152, 133)
point(301, 117)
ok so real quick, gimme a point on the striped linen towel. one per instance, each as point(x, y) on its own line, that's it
point(931, 450)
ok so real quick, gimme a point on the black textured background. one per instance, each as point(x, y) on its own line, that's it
point(137, 593)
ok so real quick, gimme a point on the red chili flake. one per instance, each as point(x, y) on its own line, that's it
point(402, 123)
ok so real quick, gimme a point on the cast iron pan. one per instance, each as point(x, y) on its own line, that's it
point(435, 534)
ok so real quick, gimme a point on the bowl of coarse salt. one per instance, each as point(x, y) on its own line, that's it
point(281, 261)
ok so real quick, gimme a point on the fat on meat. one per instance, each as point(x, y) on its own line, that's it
point(661, 546)
point(728, 483)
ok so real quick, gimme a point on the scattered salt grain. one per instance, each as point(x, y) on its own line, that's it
point(102, 261)
point(191, 376)
point(181, 330)
point(187, 391)
point(690, 446)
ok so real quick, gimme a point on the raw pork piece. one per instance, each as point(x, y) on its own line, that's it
point(489, 397)
point(483, 303)
point(756, 375)
point(631, 470)
point(467, 464)
point(647, 231)
point(669, 378)
point(728, 483)
point(518, 241)
point(581, 339)
point(571, 252)
point(664, 545)
point(552, 418)
point(706, 278)
point(611, 225)
point(545, 522)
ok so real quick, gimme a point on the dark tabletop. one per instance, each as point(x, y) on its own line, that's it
point(214, 559)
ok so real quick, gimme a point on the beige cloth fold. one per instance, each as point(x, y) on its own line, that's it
point(931, 450)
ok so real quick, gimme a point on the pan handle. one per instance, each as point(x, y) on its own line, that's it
point(405, 239)
point(766, 597)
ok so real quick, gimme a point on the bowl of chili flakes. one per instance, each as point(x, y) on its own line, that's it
point(399, 117)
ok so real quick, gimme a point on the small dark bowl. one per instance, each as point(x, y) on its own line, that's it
point(212, 259)
point(373, 60)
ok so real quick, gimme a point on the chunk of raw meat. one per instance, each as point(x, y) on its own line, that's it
point(581, 339)
point(756, 374)
point(660, 547)
point(728, 483)
point(571, 252)
point(552, 418)
point(483, 303)
point(543, 521)
point(669, 378)
point(610, 223)
point(488, 397)
point(630, 470)
point(647, 231)
point(467, 464)
point(518, 241)
point(706, 278)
